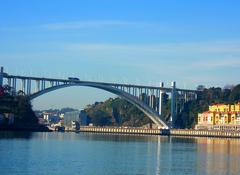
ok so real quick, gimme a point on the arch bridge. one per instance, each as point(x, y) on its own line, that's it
point(149, 99)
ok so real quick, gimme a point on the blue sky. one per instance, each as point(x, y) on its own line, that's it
point(137, 41)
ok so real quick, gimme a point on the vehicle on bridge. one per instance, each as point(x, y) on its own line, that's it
point(73, 79)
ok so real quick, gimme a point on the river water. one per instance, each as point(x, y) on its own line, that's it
point(87, 153)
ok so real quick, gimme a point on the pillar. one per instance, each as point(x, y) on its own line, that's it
point(1, 77)
point(28, 87)
point(128, 90)
point(161, 99)
point(52, 83)
point(23, 85)
point(135, 92)
point(14, 84)
point(9, 82)
point(173, 104)
point(37, 85)
point(186, 97)
point(157, 100)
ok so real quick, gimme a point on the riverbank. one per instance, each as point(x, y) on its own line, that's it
point(28, 128)
point(172, 132)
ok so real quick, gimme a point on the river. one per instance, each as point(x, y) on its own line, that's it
point(47, 153)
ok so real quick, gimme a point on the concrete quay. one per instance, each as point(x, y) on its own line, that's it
point(172, 132)
point(127, 130)
point(205, 133)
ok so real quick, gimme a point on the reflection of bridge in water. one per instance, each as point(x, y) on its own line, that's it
point(149, 99)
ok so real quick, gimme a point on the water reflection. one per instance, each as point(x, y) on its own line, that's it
point(15, 135)
point(88, 153)
point(218, 156)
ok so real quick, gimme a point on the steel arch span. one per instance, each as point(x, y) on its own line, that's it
point(153, 115)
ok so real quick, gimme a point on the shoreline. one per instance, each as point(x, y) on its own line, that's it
point(135, 131)
point(38, 128)
point(164, 132)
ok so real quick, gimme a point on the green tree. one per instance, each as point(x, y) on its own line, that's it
point(235, 94)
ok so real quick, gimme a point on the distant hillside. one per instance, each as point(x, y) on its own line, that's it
point(119, 112)
point(116, 112)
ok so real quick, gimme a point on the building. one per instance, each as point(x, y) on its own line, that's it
point(51, 117)
point(71, 116)
point(221, 117)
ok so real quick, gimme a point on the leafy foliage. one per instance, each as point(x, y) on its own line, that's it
point(20, 106)
point(188, 117)
point(116, 112)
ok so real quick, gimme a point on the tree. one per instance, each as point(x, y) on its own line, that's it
point(235, 94)
point(200, 87)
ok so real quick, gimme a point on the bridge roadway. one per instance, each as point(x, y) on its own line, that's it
point(100, 83)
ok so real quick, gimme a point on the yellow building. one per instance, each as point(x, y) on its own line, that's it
point(220, 116)
point(235, 107)
point(220, 108)
point(217, 118)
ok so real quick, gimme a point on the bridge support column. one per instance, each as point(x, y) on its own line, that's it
point(186, 97)
point(28, 87)
point(157, 100)
point(14, 85)
point(173, 105)
point(128, 90)
point(9, 82)
point(161, 99)
point(151, 98)
point(134, 90)
point(1, 77)
point(23, 85)
point(37, 85)
point(43, 85)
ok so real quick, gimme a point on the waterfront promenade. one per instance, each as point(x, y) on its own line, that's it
point(174, 132)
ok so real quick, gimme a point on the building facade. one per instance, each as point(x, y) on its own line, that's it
point(71, 116)
point(221, 117)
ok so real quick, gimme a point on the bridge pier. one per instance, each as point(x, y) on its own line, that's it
point(160, 108)
point(14, 85)
point(37, 85)
point(28, 86)
point(1, 77)
point(173, 105)
point(9, 82)
point(23, 85)
point(43, 84)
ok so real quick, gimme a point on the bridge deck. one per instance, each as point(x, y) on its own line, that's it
point(102, 83)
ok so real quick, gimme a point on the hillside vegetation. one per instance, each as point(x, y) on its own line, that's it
point(17, 107)
point(116, 112)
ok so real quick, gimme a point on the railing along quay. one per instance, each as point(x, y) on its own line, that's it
point(173, 132)
point(205, 133)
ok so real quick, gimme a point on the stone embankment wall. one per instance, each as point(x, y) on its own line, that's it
point(174, 132)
